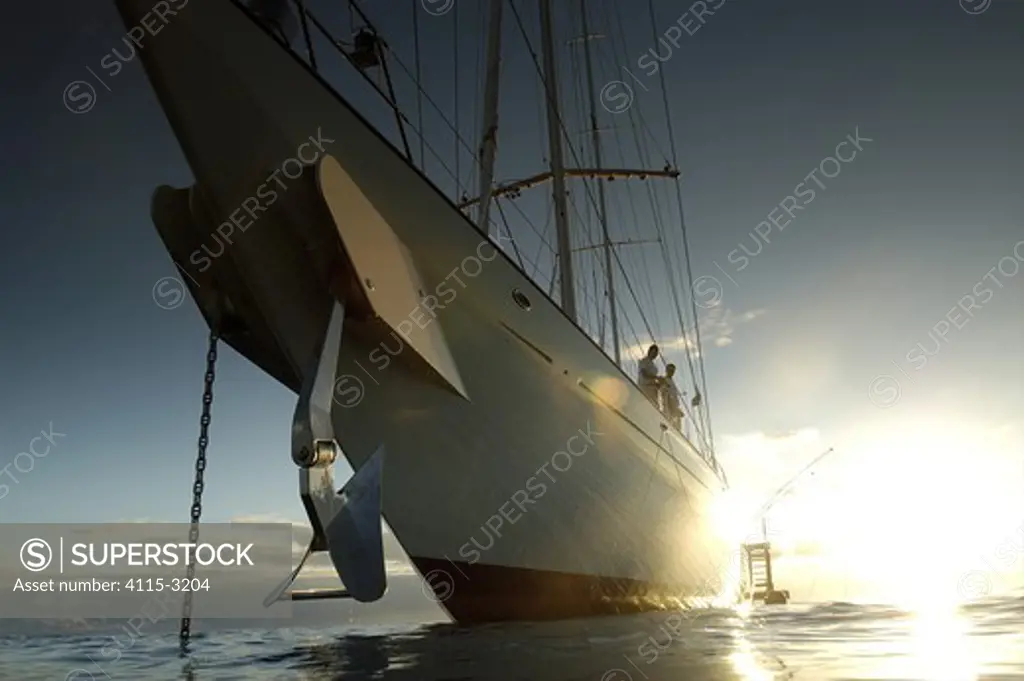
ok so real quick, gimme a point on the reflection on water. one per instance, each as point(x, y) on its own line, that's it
point(749, 661)
point(939, 642)
point(940, 647)
point(745, 661)
point(982, 641)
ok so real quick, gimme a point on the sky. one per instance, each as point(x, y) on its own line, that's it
point(883, 320)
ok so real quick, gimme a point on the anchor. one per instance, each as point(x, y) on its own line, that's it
point(347, 523)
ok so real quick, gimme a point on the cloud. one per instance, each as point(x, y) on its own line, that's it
point(717, 325)
point(266, 519)
point(319, 568)
point(759, 462)
point(720, 323)
point(399, 567)
point(763, 445)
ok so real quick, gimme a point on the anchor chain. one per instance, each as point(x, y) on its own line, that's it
point(197, 487)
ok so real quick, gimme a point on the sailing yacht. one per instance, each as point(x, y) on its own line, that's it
point(499, 436)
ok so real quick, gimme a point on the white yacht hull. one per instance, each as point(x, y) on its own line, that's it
point(526, 476)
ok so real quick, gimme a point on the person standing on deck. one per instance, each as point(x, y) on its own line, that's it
point(671, 399)
point(648, 378)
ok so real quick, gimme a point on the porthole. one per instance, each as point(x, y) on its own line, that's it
point(521, 299)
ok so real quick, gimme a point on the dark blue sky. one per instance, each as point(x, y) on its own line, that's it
point(761, 94)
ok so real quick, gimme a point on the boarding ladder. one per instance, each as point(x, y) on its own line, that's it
point(759, 571)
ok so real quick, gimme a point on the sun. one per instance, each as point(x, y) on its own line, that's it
point(913, 514)
point(734, 517)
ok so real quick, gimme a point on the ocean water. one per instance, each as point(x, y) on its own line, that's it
point(982, 640)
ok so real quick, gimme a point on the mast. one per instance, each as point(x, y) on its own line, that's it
point(489, 142)
point(602, 206)
point(557, 164)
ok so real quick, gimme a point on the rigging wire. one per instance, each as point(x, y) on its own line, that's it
point(572, 150)
point(635, 116)
point(644, 154)
point(561, 124)
point(455, 84)
point(354, 8)
point(419, 96)
point(426, 96)
point(422, 94)
point(549, 215)
point(478, 82)
point(632, 225)
point(682, 226)
point(515, 245)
